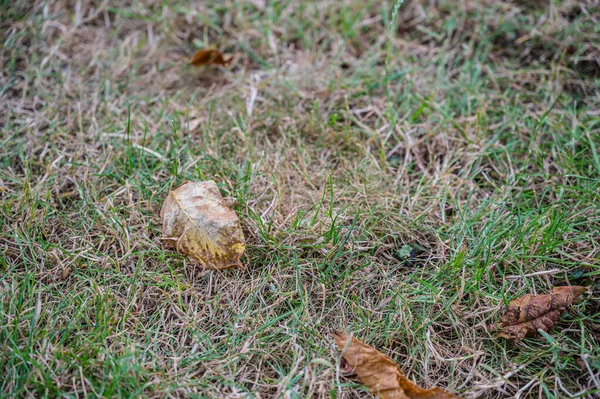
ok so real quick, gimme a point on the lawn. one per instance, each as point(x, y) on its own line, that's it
point(401, 171)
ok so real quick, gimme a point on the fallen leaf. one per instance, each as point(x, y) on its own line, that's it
point(198, 223)
point(405, 252)
point(259, 4)
point(380, 373)
point(210, 56)
point(346, 369)
point(529, 313)
point(194, 123)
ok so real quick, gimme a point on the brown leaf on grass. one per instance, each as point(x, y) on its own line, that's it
point(529, 313)
point(380, 373)
point(198, 223)
point(210, 56)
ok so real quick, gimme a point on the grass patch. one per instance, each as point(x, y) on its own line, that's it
point(467, 139)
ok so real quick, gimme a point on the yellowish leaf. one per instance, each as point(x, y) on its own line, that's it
point(380, 373)
point(198, 223)
point(210, 56)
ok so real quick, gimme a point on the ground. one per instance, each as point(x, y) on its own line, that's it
point(399, 175)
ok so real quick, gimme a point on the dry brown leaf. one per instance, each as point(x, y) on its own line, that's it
point(210, 56)
point(380, 373)
point(198, 223)
point(532, 312)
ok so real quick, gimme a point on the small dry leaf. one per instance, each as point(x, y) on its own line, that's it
point(532, 312)
point(259, 4)
point(198, 223)
point(380, 373)
point(194, 123)
point(210, 56)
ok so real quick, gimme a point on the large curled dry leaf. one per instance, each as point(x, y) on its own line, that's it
point(529, 313)
point(380, 373)
point(210, 56)
point(198, 223)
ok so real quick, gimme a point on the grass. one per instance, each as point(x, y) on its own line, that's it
point(467, 131)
